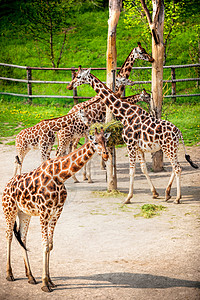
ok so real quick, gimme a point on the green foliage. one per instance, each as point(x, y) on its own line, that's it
point(150, 210)
point(114, 127)
point(136, 18)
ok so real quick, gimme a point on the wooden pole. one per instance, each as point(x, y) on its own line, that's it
point(114, 13)
point(173, 76)
point(29, 86)
point(74, 89)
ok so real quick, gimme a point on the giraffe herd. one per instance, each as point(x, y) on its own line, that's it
point(42, 192)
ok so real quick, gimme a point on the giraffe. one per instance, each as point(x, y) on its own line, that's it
point(96, 112)
point(42, 135)
point(64, 135)
point(42, 193)
point(141, 133)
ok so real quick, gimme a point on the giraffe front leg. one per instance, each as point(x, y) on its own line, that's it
point(89, 172)
point(145, 172)
point(132, 159)
point(84, 173)
point(45, 243)
point(130, 194)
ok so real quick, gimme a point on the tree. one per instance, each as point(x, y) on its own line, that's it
point(137, 19)
point(156, 27)
point(48, 24)
point(114, 13)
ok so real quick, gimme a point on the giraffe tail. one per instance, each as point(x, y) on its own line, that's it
point(18, 236)
point(18, 160)
point(187, 157)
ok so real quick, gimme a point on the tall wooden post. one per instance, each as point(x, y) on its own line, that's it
point(74, 90)
point(173, 76)
point(114, 13)
point(157, 71)
point(29, 86)
point(156, 24)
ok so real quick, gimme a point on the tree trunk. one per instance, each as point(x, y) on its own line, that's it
point(114, 13)
point(157, 74)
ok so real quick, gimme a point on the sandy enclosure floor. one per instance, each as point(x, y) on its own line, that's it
point(102, 251)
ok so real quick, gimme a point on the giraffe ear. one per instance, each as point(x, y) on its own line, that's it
point(107, 135)
point(88, 71)
point(91, 138)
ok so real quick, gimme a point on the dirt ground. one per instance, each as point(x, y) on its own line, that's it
point(101, 250)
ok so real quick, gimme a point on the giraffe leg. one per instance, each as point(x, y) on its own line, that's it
point(145, 172)
point(50, 236)
point(176, 171)
point(178, 183)
point(45, 242)
point(24, 221)
point(10, 212)
point(132, 159)
point(168, 189)
point(103, 165)
point(89, 172)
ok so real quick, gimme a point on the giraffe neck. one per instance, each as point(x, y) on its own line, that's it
point(65, 167)
point(125, 70)
point(57, 124)
point(109, 98)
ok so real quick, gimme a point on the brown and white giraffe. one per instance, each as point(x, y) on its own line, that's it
point(141, 133)
point(42, 135)
point(96, 112)
point(64, 135)
point(42, 193)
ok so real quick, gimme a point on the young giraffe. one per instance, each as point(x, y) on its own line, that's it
point(96, 112)
point(141, 133)
point(42, 193)
point(42, 135)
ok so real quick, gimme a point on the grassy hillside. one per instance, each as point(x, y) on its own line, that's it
point(86, 45)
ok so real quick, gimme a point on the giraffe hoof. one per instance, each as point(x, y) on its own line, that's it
point(46, 289)
point(76, 181)
point(155, 195)
point(128, 201)
point(32, 280)
point(177, 201)
point(90, 181)
point(10, 278)
point(167, 197)
point(51, 284)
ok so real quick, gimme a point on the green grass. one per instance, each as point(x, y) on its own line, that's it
point(86, 45)
point(16, 116)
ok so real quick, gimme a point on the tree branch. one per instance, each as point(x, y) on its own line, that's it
point(61, 50)
point(146, 12)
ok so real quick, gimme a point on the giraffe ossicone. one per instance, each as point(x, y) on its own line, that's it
point(42, 193)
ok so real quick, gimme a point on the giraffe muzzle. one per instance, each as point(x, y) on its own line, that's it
point(105, 156)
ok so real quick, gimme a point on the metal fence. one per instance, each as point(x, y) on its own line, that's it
point(29, 81)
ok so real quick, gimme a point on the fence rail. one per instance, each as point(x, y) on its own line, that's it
point(29, 81)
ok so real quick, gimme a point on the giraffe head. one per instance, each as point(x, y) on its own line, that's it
point(123, 81)
point(99, 141)
point(145, 96)
point(80, 77)
point(141, 53)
